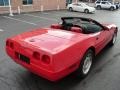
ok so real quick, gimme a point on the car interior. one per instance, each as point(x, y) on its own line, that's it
point(79, 25)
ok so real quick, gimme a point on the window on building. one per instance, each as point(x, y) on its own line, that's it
point(27, 2)
point(4, 2)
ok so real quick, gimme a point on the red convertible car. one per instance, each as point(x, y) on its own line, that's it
point(55, 52)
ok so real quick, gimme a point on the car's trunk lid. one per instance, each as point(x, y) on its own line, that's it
point(51, 40)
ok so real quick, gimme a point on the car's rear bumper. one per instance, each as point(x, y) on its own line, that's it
point(52, 76)
point(39, 70)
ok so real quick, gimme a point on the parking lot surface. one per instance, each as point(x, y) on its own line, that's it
point(105, 74)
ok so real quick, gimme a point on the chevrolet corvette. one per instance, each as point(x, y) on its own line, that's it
point(63, 48)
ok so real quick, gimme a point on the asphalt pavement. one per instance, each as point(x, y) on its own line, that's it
point(105, 74)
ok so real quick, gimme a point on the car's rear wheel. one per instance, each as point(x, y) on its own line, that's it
point(111, 8)
point(112, 42)
point(86, 63)
point(98, 7)
point(86, 11)
point(70, 9)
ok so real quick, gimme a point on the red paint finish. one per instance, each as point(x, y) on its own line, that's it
point(54, 53)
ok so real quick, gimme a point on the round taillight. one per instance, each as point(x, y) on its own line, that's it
point(46, 59)
point(7, 43)
point(36, 55)
point(11, 45)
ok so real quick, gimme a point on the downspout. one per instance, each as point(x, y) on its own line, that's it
point(10, 9)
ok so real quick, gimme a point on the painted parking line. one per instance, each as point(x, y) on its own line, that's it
point(50, 19)
point(61, 14)
point(20, 20)
point(51, 13)
point(1, 30)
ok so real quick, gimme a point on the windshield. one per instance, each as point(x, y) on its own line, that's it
point(88, 25)
point(85, 5)
point(76, 21)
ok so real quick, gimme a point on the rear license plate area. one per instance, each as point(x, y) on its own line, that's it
point(23, 58)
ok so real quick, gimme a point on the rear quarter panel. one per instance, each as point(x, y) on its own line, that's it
point(71, 57)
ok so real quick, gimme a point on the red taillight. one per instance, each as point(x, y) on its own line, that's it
point(45, 59)
point(36, 55)
point(7, 43)
point(11, 45)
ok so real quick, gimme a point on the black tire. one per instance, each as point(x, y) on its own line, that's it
point(112, 42)
point(98, 7)
point(70, 9)
point(86, 11)
point(80, 71)
point(111, 8)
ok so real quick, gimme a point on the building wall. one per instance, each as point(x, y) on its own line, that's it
point(3, 10)
point(38, 5)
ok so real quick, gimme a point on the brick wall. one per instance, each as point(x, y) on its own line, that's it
point(38, 5)
point(4, 10)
